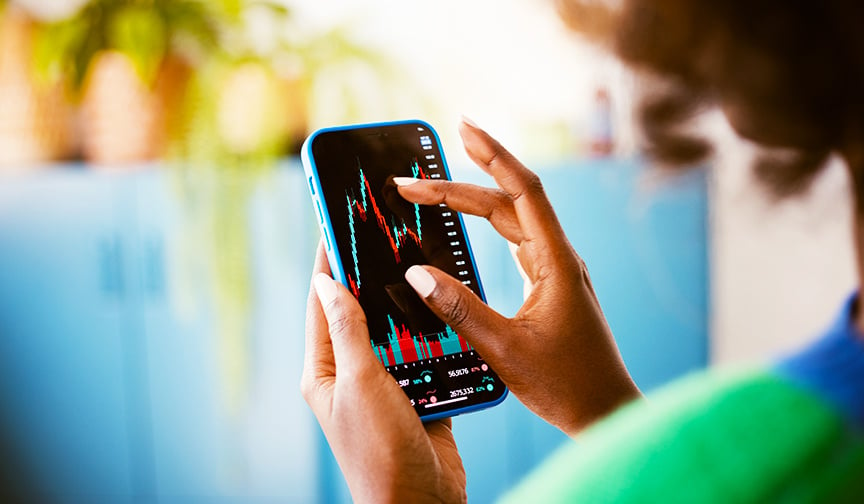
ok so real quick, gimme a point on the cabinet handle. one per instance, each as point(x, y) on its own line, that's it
point(154, 268)
point(111, 266)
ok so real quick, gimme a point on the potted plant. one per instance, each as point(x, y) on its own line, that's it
point(34, 125)
point(128, 62)
point(246, 107)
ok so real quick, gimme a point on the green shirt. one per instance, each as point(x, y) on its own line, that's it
point(743, 437)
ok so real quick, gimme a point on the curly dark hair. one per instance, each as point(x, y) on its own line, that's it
point(788, 74)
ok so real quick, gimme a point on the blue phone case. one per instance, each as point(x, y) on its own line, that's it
point(327, 232)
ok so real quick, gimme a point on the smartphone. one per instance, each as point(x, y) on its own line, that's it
point(373, 236)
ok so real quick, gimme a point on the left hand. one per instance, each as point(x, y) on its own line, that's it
point(385, 452)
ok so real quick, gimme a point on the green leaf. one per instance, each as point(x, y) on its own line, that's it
point(58, 48)
point(141, 34)
point(279, 10)
point(231, 9)
point(192, 20)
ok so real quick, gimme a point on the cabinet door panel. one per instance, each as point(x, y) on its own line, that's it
point(223, 434)
point(62, 354)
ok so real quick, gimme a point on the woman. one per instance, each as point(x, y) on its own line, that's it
point(788, 76)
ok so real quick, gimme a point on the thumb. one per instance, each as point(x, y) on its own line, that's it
point(346, 322)
point(460, 308)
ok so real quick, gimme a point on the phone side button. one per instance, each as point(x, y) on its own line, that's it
point(320, 214)
point(311, 186)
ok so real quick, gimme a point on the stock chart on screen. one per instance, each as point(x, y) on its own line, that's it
point(400, 227)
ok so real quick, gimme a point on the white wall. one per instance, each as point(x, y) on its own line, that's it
point(779, 271)
point(511, 65)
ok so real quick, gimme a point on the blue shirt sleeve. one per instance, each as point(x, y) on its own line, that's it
point(833, 366)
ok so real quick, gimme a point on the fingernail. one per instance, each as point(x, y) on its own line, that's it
point(326, 288)
point(404, 181)
point(467, 120)
point(422, 281)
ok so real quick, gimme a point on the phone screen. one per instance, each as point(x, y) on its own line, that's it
point(376, 236)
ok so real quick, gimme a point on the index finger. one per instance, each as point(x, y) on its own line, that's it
point(536, 216)
point(493, 205)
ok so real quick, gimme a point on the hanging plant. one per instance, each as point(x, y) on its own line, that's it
point(128, 63)
point(35, 123)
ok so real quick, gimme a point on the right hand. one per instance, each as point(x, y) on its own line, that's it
point(557, 354)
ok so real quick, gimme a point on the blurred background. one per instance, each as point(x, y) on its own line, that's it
point(156, 235)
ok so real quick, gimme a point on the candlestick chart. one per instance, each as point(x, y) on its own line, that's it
point(397, 231)
point(370, 219)
point(402, 347)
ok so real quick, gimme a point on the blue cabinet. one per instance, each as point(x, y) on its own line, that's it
point(114, 385)
point(64, 388)
point(644, 240)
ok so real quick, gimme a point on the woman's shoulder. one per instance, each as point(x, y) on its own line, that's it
point(712, 437)
point(833, 366)
point(790, 431)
